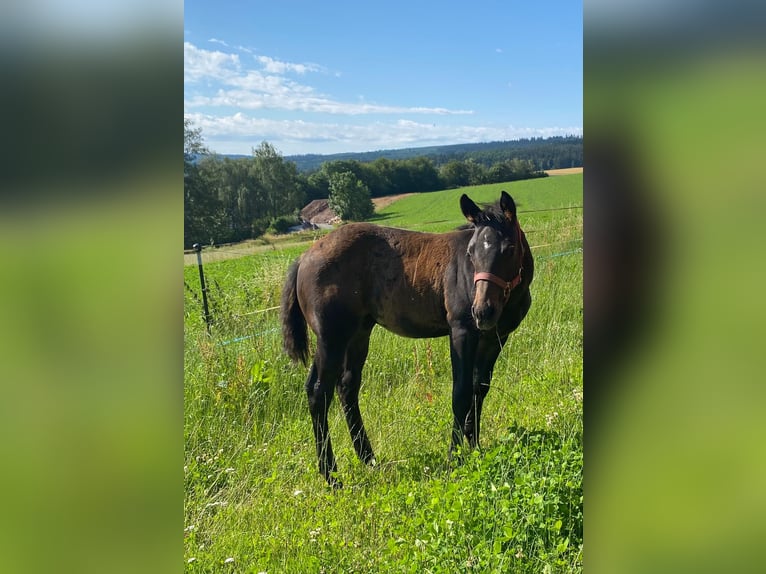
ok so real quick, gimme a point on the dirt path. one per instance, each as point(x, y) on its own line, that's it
point(381, 202)
point(564, 171)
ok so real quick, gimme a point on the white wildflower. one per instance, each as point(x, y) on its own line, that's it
point(551, 417)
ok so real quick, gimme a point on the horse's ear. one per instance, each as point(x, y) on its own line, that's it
point(470, 209)
point(508, 206)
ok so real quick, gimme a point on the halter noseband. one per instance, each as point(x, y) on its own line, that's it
point(506, 286)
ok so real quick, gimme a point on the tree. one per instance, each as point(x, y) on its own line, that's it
point(456, 174)
point(385, 177)
point(202, 209)
point(477, 172)
point(193, 144)
point(277, 182)
point(252, 191)
point(422, 174)
point(349, 197)
point(317, 185)
point(500, 172)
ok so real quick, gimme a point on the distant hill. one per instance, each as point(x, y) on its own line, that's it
point(547, 153)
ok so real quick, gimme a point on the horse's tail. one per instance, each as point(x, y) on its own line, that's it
point(295, 338)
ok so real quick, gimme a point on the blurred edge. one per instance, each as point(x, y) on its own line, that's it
point(91, 219)
point(91, 224)
point(675, 318)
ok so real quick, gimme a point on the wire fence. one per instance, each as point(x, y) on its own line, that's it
point(222, 254)
point(276, 307)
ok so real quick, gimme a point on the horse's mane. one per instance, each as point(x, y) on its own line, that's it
point(492, 214)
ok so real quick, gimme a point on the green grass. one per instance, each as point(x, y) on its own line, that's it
point(253, 493)
point(439, 211)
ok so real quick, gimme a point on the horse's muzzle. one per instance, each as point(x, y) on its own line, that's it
point(485, 314)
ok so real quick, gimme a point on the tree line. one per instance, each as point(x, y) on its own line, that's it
point(230, 200)
point(227, 200)
point(547, 153)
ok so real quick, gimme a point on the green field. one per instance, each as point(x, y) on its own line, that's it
point(254, 501)
point(437, 211)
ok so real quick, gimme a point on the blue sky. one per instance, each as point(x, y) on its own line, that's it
point(341, 76)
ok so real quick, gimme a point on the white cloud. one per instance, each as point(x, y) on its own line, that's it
point(282, 97)
point(206, 64)
point(226, 44)
point(239, 133)
point(240, 102)
point(278, 67)
point(251, 89)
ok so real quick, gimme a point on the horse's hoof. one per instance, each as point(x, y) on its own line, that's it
point(334, 483)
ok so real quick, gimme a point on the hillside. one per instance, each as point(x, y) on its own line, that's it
point(547, 153)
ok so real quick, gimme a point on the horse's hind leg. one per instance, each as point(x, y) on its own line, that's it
point(320, 387)
point(348, 391)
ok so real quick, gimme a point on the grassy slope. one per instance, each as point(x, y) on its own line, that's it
point(252, 490)
point(439, 211)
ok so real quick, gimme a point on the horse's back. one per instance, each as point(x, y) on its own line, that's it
point(390, 276)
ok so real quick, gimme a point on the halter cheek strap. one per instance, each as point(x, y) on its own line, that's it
point(506, 286)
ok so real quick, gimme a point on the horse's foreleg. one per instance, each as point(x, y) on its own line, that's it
point(473, 419)
point(462, 353)
point(486, 355)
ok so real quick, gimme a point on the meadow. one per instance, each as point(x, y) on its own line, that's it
point(254, 500)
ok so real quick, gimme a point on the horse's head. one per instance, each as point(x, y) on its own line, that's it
point(497, 254)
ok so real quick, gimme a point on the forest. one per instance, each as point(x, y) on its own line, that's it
point(228, 199)
point(547, 153)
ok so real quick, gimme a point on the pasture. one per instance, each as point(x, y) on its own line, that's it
point(254, 501)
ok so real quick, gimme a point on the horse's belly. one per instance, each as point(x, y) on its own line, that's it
point(416, 322)
point(414, 331)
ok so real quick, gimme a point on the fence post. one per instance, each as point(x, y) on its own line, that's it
point(198, 248)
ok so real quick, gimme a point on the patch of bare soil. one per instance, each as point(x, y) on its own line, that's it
point(564, 171)
point(381, 202)
point(318, 212)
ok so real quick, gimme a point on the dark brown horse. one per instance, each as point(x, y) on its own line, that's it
point(471, 284)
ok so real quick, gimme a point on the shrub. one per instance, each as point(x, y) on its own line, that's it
point(282, 224)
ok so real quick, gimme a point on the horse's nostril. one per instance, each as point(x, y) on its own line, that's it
point(483, 311)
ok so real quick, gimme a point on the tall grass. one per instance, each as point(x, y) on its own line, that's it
point(254, 499)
